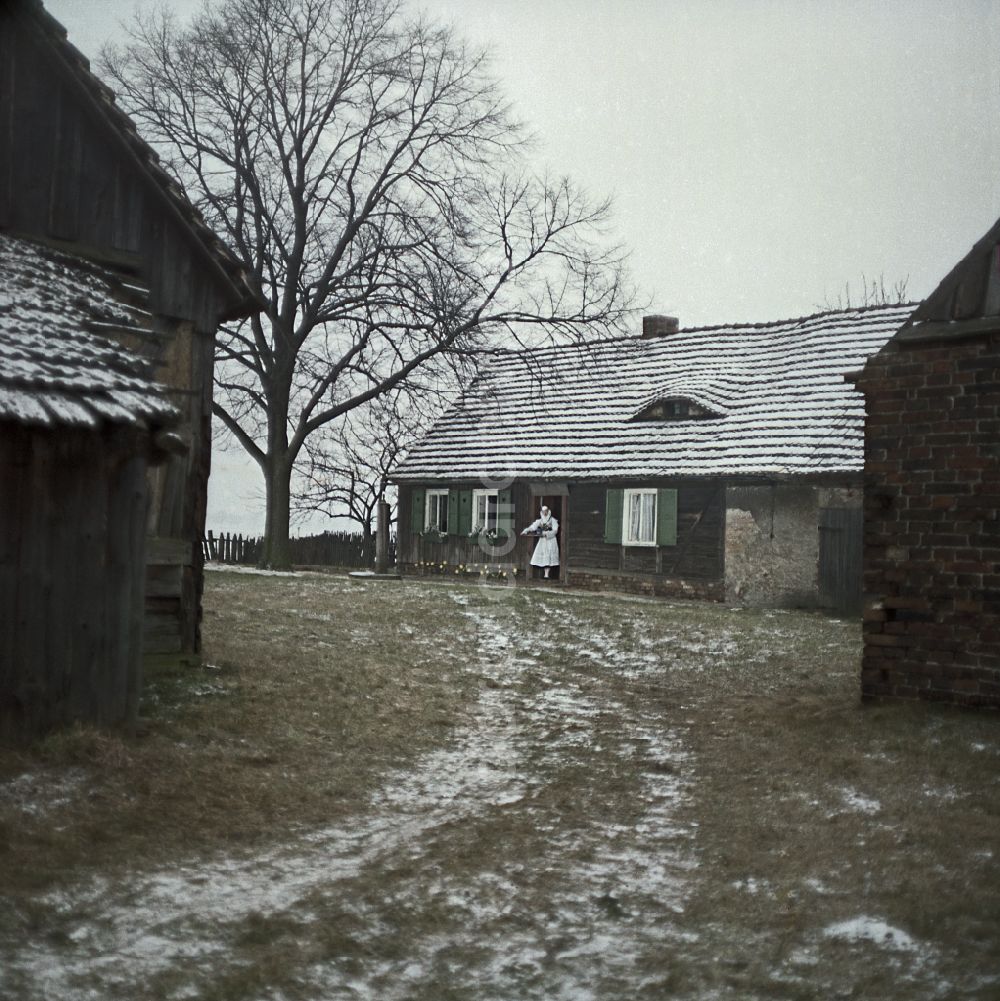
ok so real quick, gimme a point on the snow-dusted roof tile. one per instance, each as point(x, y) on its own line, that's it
point(778, 390)
point(56, 369)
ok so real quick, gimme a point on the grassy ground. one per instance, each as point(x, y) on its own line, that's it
point(480, 793)
point(310, 687)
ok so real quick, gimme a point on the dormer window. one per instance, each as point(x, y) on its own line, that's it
point(674, 408)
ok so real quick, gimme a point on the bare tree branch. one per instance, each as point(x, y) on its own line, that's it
point(366, 170)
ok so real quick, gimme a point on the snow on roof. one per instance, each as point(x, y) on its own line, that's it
point(61, 362)
point(781, 403)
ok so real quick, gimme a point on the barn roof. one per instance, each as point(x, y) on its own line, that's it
point(63, 322)
point(228, 270)
point(779, 402)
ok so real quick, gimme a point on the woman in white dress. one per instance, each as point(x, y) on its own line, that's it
point(546, 554)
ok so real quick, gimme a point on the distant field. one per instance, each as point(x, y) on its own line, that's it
point(431, 791)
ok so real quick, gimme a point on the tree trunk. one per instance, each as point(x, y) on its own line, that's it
point(382, 539)
point(277, 554)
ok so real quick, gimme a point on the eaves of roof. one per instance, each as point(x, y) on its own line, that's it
point(936, 307)
point(64, 326)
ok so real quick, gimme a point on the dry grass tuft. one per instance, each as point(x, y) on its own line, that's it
point(85, 745)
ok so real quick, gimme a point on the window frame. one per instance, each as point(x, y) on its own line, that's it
point(441, 494)
point(485, 525)
point(627, 494)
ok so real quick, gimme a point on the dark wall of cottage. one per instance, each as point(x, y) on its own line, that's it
point(69, 178)
point(415, 553)
point(932, 534)
point(72, 519)
point(693, 567)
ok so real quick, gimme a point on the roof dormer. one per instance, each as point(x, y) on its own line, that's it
point(675, 402)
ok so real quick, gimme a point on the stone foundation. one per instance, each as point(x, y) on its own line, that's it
point(659, 587)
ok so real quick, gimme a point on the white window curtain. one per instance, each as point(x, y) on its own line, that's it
point(487, 503)
point(437, 510)
point(641, 516)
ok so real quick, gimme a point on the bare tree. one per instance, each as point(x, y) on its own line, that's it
point(873, 292)
point(348, 466)
point(364, 168)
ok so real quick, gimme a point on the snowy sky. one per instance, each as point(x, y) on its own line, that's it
point(761, 153)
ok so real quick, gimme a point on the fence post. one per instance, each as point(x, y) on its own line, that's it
point(382, 538)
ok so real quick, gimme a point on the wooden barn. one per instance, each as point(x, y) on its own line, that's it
point(80, 423)
point(664, 458)
point(77, 181)
point(932, 495)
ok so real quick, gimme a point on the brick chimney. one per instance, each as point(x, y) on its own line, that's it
point(659, 326)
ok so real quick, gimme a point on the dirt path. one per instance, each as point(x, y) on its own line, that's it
point(534, 855)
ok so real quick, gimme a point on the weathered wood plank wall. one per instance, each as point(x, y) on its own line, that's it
point(70, 178)
point(72, 539)
point(698, 556)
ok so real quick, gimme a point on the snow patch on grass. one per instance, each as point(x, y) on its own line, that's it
point(42, 792)
point(867, 929)
point(853, 800)
point(255, 571)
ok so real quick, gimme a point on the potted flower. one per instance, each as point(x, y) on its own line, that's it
point(494, 537)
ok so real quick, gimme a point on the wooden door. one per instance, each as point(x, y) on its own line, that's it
point(840, 559)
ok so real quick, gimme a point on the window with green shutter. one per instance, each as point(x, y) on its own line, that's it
point(666, 517)
point(639, 517)
point(613, 503)
point(453, 512)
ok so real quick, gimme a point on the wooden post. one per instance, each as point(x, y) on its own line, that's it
point(382, 538)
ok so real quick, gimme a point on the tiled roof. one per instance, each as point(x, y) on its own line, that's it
point(62, 320)
point(782, 405)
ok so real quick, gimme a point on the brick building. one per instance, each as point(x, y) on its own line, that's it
point(932, 491)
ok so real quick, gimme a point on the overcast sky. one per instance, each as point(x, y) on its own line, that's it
point(760, 154)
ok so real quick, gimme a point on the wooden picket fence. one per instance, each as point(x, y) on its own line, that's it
point(333, 549)
point(231, 548)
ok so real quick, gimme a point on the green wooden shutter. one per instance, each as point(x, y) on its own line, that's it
point(614, 502)
point(417, 509)
point(505, 512)
point(464, 520)
point(666, 517)
point(453, 512)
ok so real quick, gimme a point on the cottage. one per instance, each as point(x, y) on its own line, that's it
point(932, 495)
point(111, 291)
point(76, 177)
point(664, 458)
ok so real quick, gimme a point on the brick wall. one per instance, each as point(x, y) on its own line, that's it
point(932, 534)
